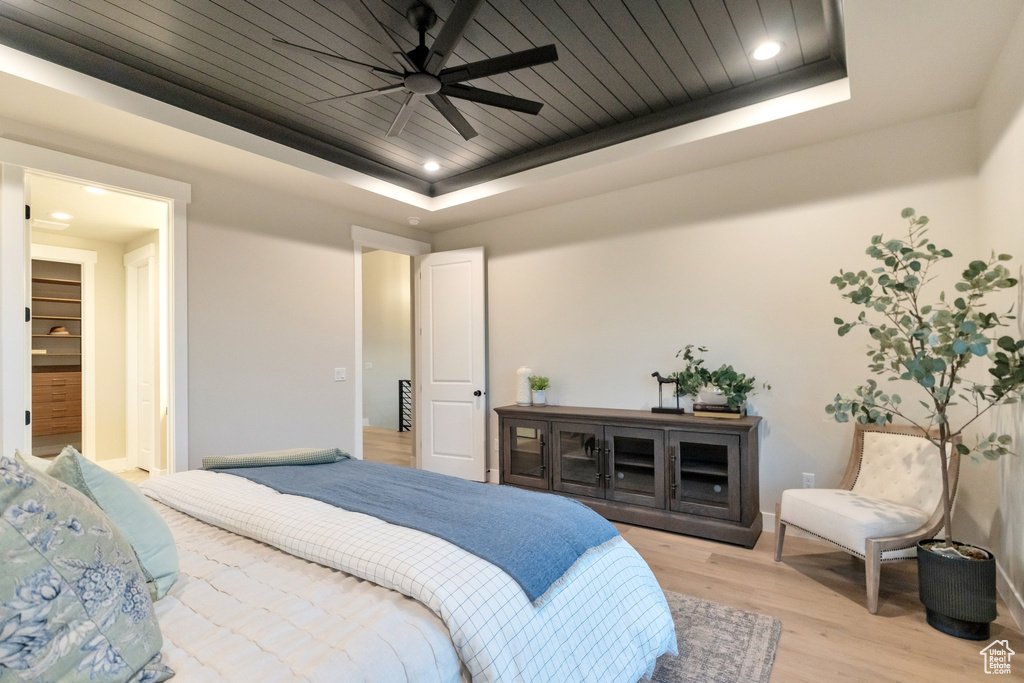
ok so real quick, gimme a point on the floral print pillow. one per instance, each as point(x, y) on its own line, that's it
point(73, 600)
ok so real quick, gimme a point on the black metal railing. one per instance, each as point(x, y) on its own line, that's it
point(405, 405)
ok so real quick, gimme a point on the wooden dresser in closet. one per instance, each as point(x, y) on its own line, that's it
point(56, 403)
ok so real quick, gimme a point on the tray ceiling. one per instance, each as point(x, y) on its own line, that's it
point(626, 68)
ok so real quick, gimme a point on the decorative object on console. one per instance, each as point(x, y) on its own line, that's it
point(718, 410)
point(930, 344)
point(662, 381)
point(523, 396)
point(722, 387)
point(539, 385)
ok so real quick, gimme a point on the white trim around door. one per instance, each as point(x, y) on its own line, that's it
point(87, 260)
point(16, 159)
point(365, 238)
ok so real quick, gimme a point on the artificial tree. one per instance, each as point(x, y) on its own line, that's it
point(931, 345)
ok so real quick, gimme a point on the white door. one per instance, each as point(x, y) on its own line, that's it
point(452, 398)
point(141, 357)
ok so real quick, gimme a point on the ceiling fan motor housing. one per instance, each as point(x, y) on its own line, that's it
point(422, 83)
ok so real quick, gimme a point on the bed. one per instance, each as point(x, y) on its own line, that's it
point(278, 587)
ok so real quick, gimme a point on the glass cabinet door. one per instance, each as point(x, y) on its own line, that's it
point(705, 474)
point(524, 444)
point(636, 463)
point(577, 458)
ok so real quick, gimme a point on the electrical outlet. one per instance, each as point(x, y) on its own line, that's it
point(808, 480)
point(368, 365)
point(339, 374)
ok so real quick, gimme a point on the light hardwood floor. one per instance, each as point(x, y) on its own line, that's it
point(388, 445)
point(817, 592)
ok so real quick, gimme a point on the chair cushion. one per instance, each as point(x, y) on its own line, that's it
point(902, 468)
point(848, 518)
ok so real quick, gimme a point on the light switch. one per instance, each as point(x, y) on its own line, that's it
point(368, 365)
point(339, 374)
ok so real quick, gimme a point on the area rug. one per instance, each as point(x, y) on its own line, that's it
point(718, 644)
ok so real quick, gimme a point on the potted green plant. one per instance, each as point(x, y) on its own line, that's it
point(732, 388)
point(694, 376)
point(724, 386)
point(928, 344)
point(539, 386)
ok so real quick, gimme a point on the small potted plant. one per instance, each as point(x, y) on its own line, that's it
point(694, 376)
point(730, 388)
point(928, 345)
point(539, 386)
point(721, 391)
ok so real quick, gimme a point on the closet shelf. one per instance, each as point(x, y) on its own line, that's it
point(55, 281)
point(55, 317)
point(55, 353)
point(58, 336)
point(56, 300)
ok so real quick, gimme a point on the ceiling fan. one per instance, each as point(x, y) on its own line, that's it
point(423, 74)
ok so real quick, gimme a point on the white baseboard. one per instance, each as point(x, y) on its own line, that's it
point(492, 476)
point(115, 465)
point(768, 525)
point(1010, 595)
point(157, 473)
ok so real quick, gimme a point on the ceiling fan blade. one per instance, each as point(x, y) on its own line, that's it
point(499, 65)
point(362, 94)
point(404, 114)
point(365, 16)
point(452, 115)
point(451, 33)
point(491, 98)
point(331, 55)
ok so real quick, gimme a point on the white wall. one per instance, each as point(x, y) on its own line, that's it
point(387, 334)
point(993, 502)
point(110, 339)
point(599, 293)
point(270, 309)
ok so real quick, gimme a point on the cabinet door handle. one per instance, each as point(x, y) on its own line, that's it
point(608, 464)
point(543, 456)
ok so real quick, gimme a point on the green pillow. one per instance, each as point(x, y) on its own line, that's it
point(39, 464)
point(295, 456)
point(73, 602)
point(129, 509)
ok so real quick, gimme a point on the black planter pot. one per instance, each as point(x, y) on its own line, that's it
point(959, 594)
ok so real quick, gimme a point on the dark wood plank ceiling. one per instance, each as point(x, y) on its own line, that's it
point(626, 68)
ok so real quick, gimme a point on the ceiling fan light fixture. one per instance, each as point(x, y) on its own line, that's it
point(432, 166)
point(94, 190)
point(766, 50)
point(61, 216)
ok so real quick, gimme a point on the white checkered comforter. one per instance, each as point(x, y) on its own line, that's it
point(607, 622)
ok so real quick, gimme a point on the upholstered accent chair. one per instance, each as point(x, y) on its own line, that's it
point(888, 500)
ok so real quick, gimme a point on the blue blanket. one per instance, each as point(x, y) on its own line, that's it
point(534, 537)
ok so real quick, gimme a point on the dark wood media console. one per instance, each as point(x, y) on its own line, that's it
point(691, 475)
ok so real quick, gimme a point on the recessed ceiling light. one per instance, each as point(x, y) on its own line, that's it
point(61, 216)
point(432, 166)
point(766, 51)
point(414, 220)
point(94, 190)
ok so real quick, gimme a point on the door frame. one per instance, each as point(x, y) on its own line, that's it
point(87, 260)
point(133, 260)
point(17, 159)
point(367, 238)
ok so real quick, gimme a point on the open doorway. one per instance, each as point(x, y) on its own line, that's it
point(387, 357)
point(99, 302)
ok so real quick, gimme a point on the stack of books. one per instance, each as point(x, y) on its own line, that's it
point(718, 410)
